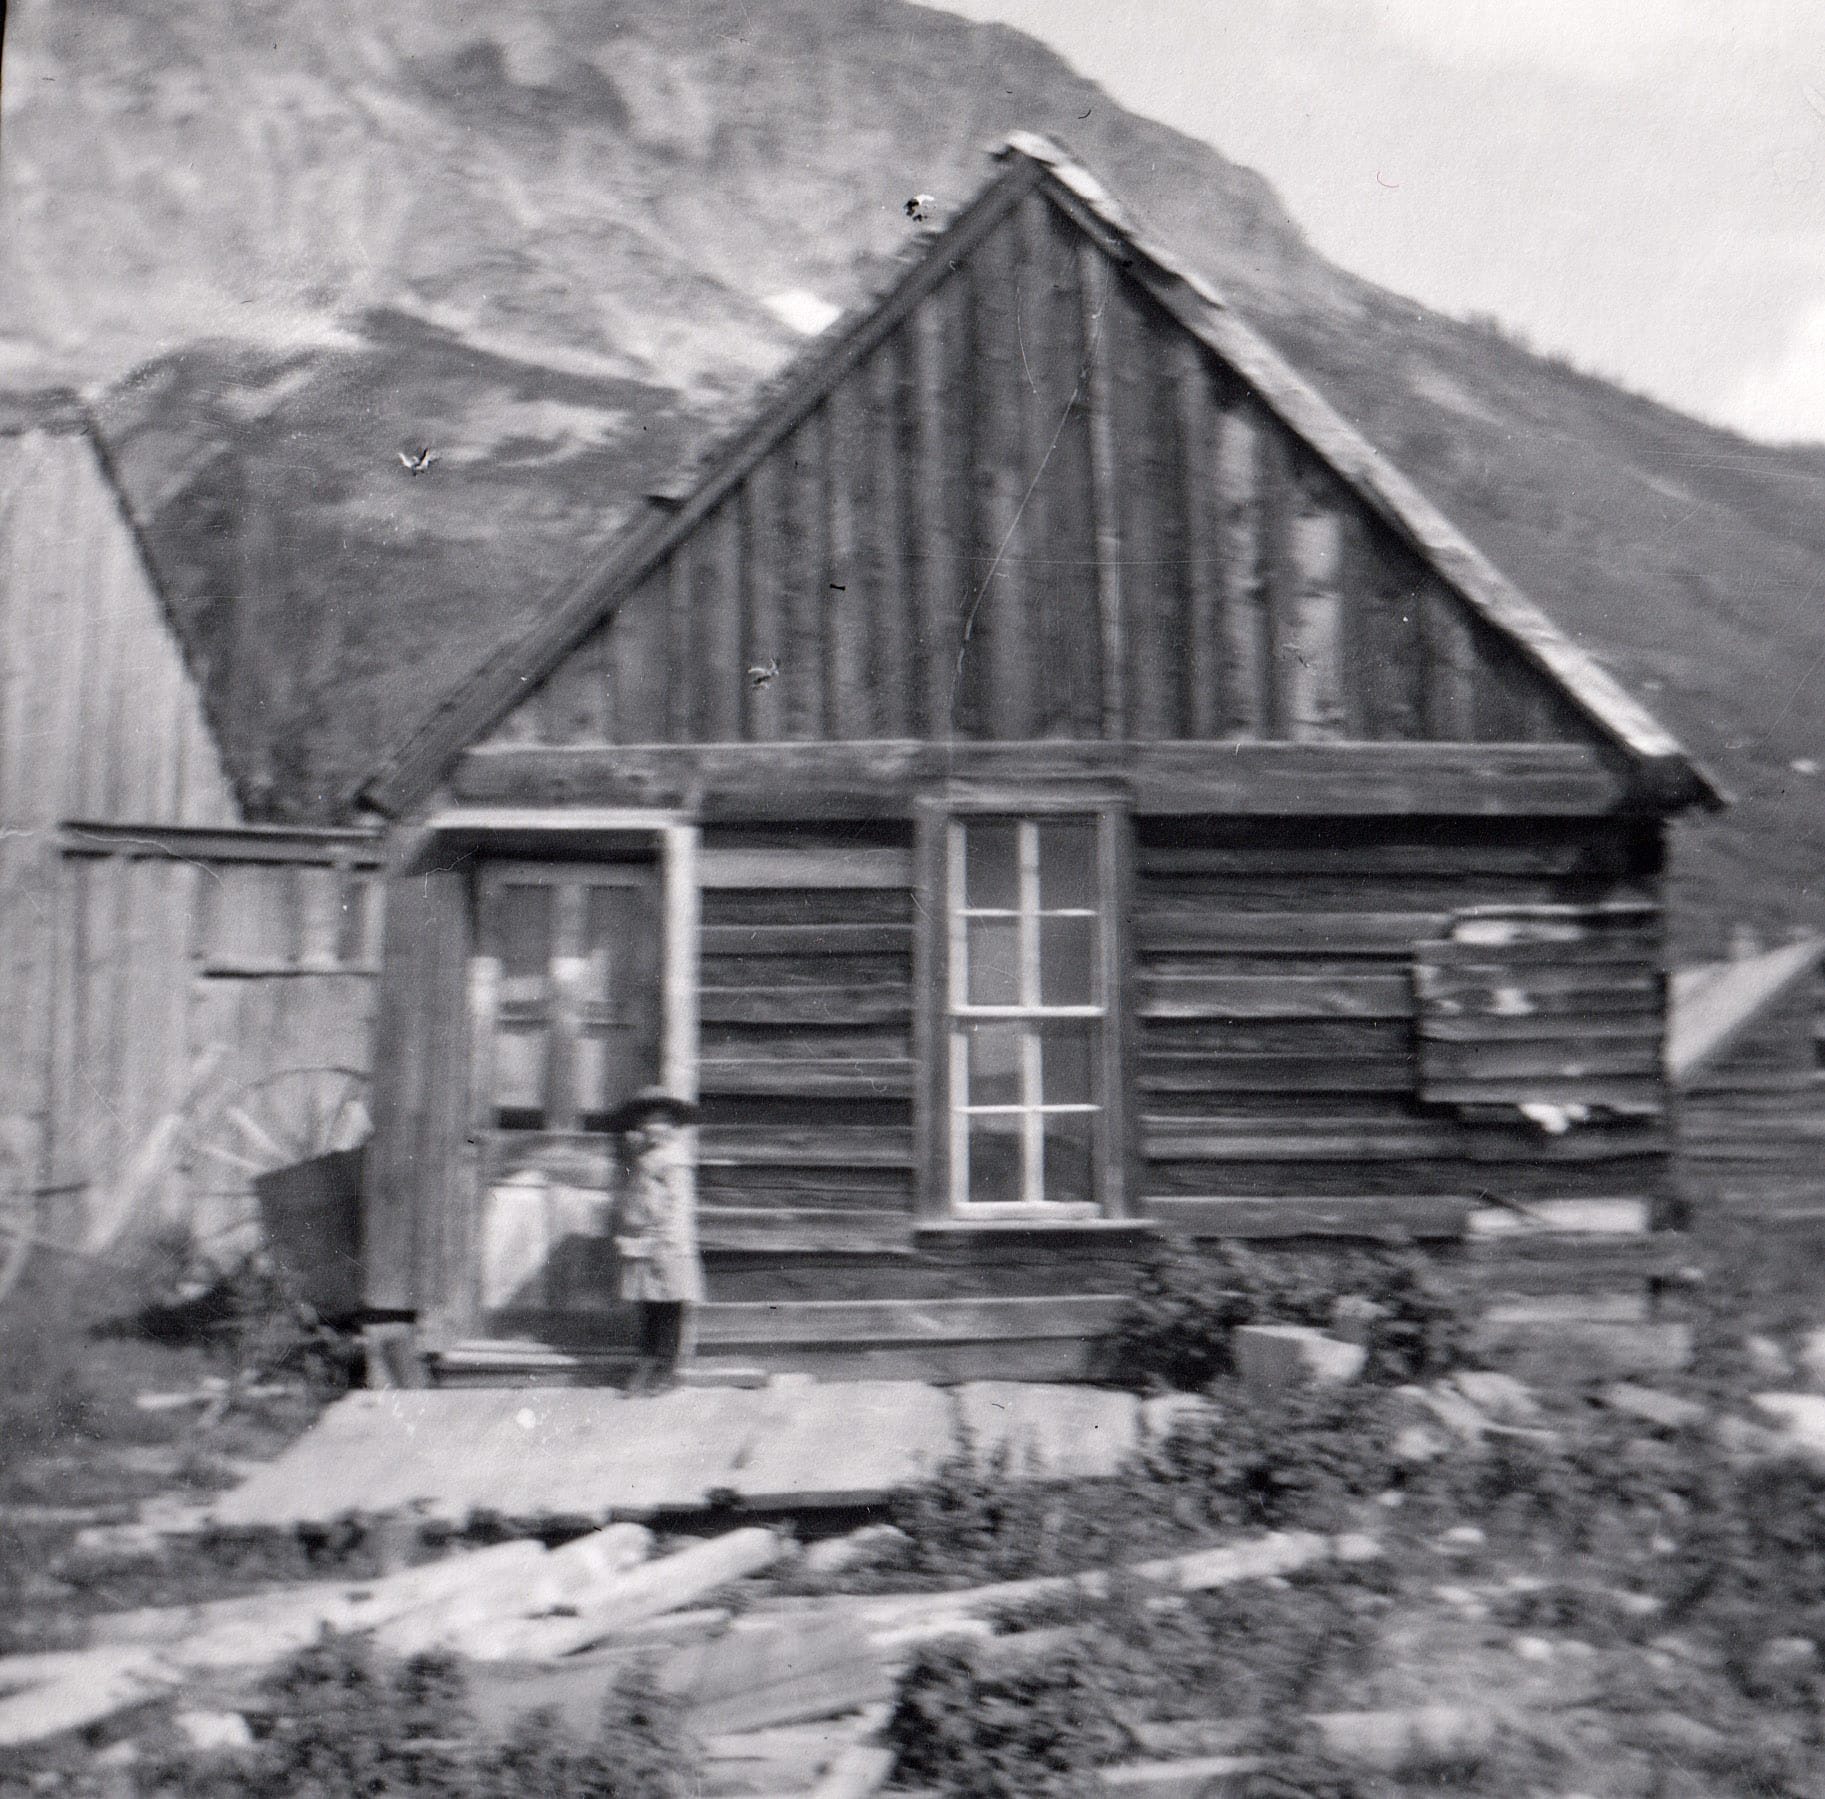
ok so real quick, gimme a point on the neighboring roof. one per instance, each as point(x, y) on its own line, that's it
point(466, 714)
point(1713, 1005)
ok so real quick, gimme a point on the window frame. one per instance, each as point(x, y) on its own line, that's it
point(944, 1123)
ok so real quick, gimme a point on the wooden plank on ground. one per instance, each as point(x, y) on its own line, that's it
point(857, 1441)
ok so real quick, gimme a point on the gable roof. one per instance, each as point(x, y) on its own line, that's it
point(1029, 162)
point(1713, 1005)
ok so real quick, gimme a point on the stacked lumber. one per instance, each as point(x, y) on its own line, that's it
point(556, 1628)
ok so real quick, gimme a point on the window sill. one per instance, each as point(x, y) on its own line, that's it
point(1031, 1222)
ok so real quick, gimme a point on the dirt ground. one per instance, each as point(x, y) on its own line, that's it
point(1643, 1603)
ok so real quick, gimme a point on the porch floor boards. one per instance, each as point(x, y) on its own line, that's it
point(589, 1455)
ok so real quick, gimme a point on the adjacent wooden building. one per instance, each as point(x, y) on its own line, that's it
point(1743, 1058)
point(187, 995)
point(1044, 781)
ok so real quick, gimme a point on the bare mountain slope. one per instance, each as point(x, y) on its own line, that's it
point(294, 238)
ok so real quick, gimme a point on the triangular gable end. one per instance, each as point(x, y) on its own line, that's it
point(1047, 486)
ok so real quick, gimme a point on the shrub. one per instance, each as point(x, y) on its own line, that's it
point(341, 1723)
point(1179, 1324)
point(982, 1725)
point(1295, 1458)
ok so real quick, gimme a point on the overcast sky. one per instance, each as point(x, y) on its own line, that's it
point(1639, 184)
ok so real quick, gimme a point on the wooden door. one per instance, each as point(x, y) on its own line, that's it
point(564, 1010)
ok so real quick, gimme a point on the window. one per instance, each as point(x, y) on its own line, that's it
point(1027, 1014)
point(564, 993)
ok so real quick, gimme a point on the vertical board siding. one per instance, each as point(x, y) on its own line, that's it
point(1040, 507)
point(100, 720)
point(1062, 559)
point(997, 669)
point(175, 985)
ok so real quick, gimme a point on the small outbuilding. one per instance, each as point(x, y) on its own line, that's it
point(1044, 781)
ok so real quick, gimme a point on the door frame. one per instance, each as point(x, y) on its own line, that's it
point(568, 834)
point(477, 834)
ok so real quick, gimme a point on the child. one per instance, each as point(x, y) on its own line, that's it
point(656, 1230)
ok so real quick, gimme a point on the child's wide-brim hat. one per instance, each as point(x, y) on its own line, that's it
point(652, 1102)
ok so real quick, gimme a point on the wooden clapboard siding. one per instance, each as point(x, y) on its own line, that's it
point(1035, 505)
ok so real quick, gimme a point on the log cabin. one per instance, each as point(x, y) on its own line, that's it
point(1042, 782)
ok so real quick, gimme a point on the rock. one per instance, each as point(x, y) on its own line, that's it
point(1498, 1396)
point(1801, 1417)
point(1448, 1407)
point(872, 1543)
point(1810, 1356)
point(1745, 1441)
point(1768, 1360)
point(118, 1755)
point(1165, 1412)
point(1274, 1358)
point(1533, 1649)
point(1465, 1536)
point(1780, 1655)
point(1461, 1599)
point(1675, 1730)
point(1668, 1410)
point(213, 1730)
point(1408, 1742)
point(1419, 1443)
point(1353, 1318)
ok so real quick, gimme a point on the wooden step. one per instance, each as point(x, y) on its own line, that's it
point(940, 1340)
point(869, 1322)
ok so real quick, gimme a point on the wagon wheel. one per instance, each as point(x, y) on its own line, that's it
point(19, 1222)
point(269, 1124)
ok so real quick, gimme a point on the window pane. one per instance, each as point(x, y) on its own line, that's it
point(994, 962)
point(523, 920)
point(610, 934)
point(991, 863)
point(994, 1152)
point(994, 1064)
point(1068, 1172)
point(1067, 864)
point(1067, 961)
point(519, 1078)
point(1065, 1052)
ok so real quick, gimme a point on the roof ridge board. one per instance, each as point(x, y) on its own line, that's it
point(475, 702)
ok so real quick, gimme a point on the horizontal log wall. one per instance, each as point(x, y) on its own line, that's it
point(1279, 1047)
point(806, 1009)
point(1038, 508)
